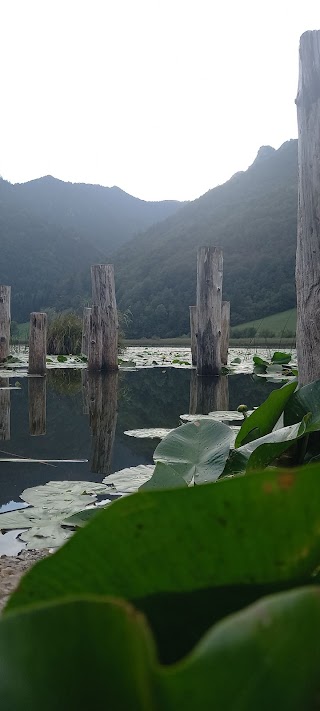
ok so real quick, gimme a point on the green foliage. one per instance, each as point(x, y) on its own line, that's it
point(64, 335)
point(191, 597)
point(244, 663)
point(253, 217)
point(51, 232)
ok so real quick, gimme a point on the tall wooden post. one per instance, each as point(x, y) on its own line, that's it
point(308, 242)
point(193, 333)
point(37, 406)
point(209, 298)
point(104, 295)
point(225, 331)
point(37, 343)
point(4, 409)
point(95, 340)
point(85, 331)
point(5, 319)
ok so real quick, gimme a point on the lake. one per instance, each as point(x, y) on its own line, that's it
point(72, 415)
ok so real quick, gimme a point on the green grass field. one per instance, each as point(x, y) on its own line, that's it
point(280, 324)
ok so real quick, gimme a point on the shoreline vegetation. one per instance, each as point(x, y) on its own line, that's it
point(234, 342)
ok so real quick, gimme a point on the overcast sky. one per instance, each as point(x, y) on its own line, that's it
point(164, 98)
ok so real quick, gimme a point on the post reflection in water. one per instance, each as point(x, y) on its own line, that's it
point(102, 396)
point(4, 409)
point(37, 396)
point(208, 394)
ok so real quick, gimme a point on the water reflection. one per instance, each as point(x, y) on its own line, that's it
point(208, 394)
point(86, 418)
point(103, 396)
point(4, 409)
point(37, 389)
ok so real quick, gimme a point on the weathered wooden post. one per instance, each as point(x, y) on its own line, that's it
point(5, 319)
point(85, 331)
point(37, 406)
point(225, 331)
point(308, 238)
point(95, 339)
point(4, 409)
point(37, 343)
point(104, 295)
point(209, 298)
point(193, 333)
point(103, 390)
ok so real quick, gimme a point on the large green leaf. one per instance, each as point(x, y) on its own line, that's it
point(164, 477)
point(263, 451)
point(304, 400)
point(265, 657)
point(196, 450)
point(90, 654)
point(264, 418)
point(261, 528)
point(98, 653)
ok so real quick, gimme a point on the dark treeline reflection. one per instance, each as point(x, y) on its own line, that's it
point(73, 415)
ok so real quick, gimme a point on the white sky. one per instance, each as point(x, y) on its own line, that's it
point(164, 98)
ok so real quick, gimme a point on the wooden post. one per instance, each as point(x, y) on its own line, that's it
point(95, 340)
point(4, 409)
point(37, 406)
point(103, 389)
point(308, 242)
point(37, 344)
point(225, 331)
point(193, 333)
point(209, 297)
point(85, 331)
point(104, 295)
point(5, 318)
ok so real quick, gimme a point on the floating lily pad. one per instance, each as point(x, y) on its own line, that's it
point(152, 433)
point(130, 479)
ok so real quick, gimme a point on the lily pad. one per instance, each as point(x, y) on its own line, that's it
point(155, 433)
point(198, 449)
point(130, 479)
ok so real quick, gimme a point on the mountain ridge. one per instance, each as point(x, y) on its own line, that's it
point(252, 217)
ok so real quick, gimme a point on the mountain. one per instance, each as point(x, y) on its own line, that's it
point(253, 217)
point(51, 232)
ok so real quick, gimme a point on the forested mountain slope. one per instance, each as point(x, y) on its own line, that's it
point(253, 217)
point(51, 231)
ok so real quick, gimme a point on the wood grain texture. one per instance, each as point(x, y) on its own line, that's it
point(225, 331)
point(37, 343)
point(85, 331)
point(104, 295)
point(308, 237)
point(95, 339)
point(193, 333)
point(209, 299)
point(5, 320)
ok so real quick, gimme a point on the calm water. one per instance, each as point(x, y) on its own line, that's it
point(86, 417)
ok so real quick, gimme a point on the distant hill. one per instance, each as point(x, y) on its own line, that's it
point(253, 217)
point(51, 231)
point(281, 325)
